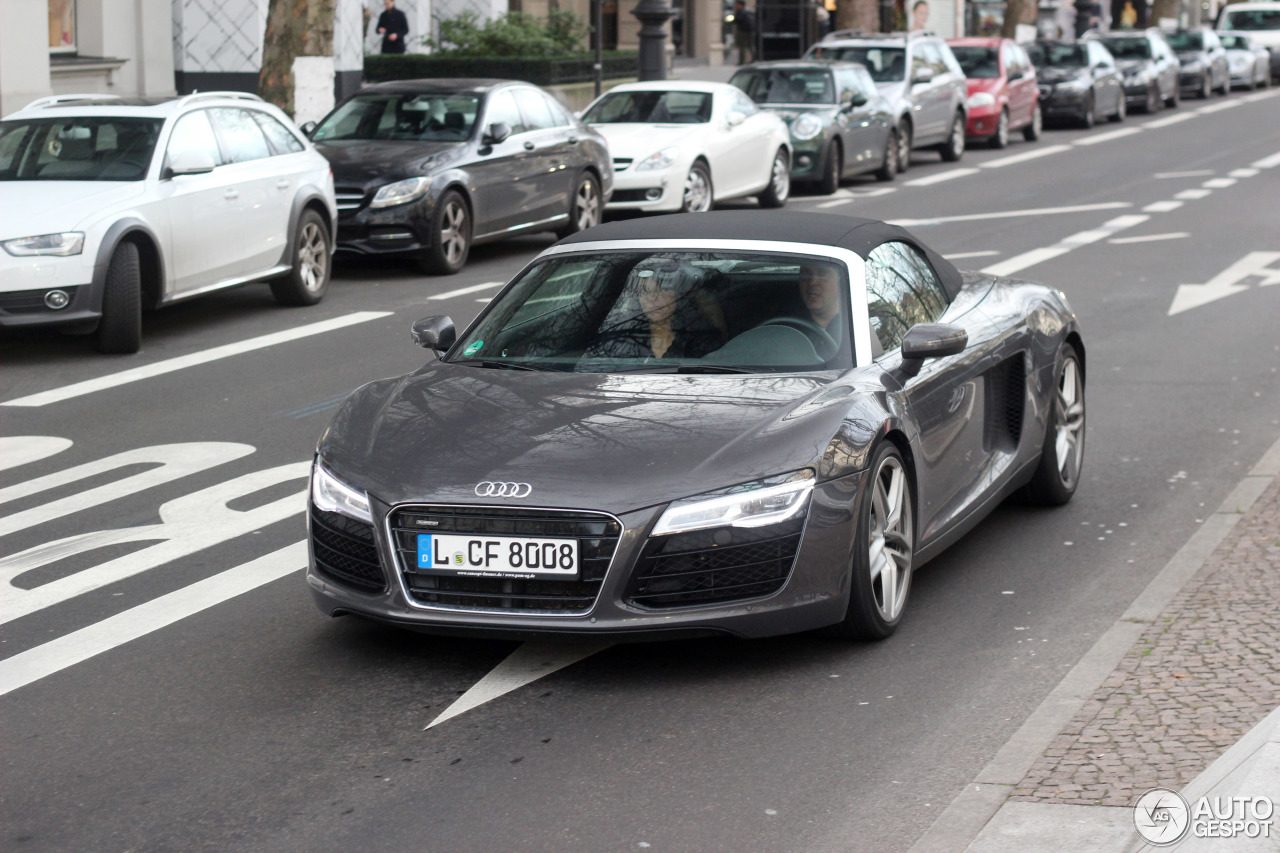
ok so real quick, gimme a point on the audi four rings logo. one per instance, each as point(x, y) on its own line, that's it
point(503, 490)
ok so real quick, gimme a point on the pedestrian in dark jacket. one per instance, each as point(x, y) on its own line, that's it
point(744, 32)
point(393, 26)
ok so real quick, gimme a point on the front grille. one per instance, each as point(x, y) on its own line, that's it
point(715, 566)
point(349, 198)
point(1006, 395)
point(620, 164)
point(31, 301)
point(344, 551)
point(597, 536)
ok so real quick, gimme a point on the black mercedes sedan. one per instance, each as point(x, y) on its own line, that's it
point(428, 168)
point(1205, 69)
point(1079, 81)
point(839, 122)
point(737, 422)
point(1148, 64)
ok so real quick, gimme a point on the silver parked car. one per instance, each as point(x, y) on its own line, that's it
point(1249, 63)
point(919, 76)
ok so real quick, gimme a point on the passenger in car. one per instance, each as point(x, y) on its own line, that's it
point(820, 289)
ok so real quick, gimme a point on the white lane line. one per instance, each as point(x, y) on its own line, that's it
point(836, 202)
point(18, 450)
point(1107, 137)
point(1260, 96)
point(1243, 173)
point(1193, 194)
point(1013, 214)
point(1173, 119)
point(1219, 183)
point(526, 664)
point(873, 192)
point(1150, 238)
point(1162, 206)
point(1267, 162)
point(949, 175)
point(959, 255)
point(1075, 241)
point(1034, 154)
point(68, 650)
point(1195, 173)
point(463, 291)
point(159, 368)
point(1218, 107)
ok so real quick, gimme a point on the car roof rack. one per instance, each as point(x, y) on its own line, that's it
point(58, 100)
point(196, 96)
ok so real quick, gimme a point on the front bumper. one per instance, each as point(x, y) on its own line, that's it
point(811, 593)
point(400, 230)
point(1191, 81)
point(651, 191)
point(1057, 104)
point(983, 122)
point(26, 283)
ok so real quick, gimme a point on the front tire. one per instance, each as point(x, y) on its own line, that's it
point(953, 149)
point(883, 546)
point(779, 189)
point(584, 209)
point(1174, 99)
point(307, 282)
point(831, 169)
point(1153, 99)
point(1206, 88)
point(1062, 453)
point(1121, 109)
point(450, 236)
point(1087, 115)
point(698, 191)
point(1000, 139)
point(120, 329)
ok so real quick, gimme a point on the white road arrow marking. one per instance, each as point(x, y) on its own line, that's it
point(523, 666)
point(23, 449)
point(1227, 282)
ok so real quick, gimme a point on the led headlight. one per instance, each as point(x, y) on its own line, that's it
point(749, 505)
point(805, 127)
point(981, 99)
point(332, 495)
point(1074, 86)
point(658, 160)
point(1193, 65)
point(401, 192)
point(68, 243)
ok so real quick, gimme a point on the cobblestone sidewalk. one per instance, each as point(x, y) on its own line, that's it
point(1197, 680)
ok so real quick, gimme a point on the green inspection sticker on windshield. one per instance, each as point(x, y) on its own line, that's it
point(474, 348)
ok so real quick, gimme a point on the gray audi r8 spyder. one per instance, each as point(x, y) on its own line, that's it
point(741, 422)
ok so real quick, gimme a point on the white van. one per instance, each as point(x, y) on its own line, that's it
point(1261, 20)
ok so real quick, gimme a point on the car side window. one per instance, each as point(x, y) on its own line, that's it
point(502, 108)
point(740, 102)
point(535, 110)
point(902, 290)
point(193, 132)
point(1098, 56)
point(281, 139)
point(558, 112)
point(240, 134)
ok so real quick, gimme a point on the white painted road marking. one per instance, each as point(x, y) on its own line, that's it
point(1218, 107)
point(1243, 173)
point(1227, 282)
point(960, 255)
point(1033, 154)
point(836, 202)
point(1267, 162)
point(1107, 137)
point(1193, 194)
point(463, 291)
point(1075, 241)
point(526, 664)
point(1162, 206)
point(1150, 238)
point(1173, 119)
point(1219, 183)
point(24, 449)
point(66, 651)
point(949, 175)
point(1013, 214)
point(1194, 173)
point(160, 368)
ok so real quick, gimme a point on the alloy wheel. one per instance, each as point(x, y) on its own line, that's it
point(889, 538)
point(1069, 422)
point(313, 257)
point(453, 231)
point(697, 191)
point(588, 205)
point(781, 179)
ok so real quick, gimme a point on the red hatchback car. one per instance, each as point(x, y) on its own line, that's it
point(1003, 96)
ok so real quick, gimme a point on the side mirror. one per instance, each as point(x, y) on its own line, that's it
point(497, 133)
point(856, 99)
point(735, 118)
point(308, 128)
point(923, 74)
point(931, 340)
point(191, 162)
point(435, 333)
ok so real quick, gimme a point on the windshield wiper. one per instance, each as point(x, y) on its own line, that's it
point(498, 365)
point(711, 368)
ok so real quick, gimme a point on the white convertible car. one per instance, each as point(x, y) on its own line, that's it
point(684, 145)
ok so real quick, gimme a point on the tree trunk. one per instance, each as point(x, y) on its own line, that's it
point(858, 15)
point(294, 28)
point(1018, 12)
point(1162, 9)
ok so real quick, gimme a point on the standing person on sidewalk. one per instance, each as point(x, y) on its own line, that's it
point(393, 26)
point(744, 32)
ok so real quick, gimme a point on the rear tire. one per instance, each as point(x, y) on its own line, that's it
point(584, 208)
point(1032, 131)
point(1121, 109)
point(120, 329)
point(779, 189)
point(1062, 453)
point(1153, 100)
point(307, 282)
point(890, 167)
point(450, 236)
point(884, 543)
point(1173, 100)
point(904, 146)
point(1206, 88)
point(831, 169)
point(953, 149)
point(1087, 115)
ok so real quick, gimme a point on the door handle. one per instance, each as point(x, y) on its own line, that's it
point(229, 194)
point(528, 146)
point(282, 185)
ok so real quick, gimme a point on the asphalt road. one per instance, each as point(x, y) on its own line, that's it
point(139, 713)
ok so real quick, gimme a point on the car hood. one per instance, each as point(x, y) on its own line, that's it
point(1185, 56)
point(30, 208)
point(992, 85)
point(638, 141)
point(1049, 74)
point(790, 113)
point(610, 442)
point(362, 162)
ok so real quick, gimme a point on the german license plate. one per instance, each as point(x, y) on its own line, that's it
point(497, 556)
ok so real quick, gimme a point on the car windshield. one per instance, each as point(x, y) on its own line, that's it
point(430, 117)
point(668, 312)
point(1128, 48)
point(1186, 41)
point(886, 64)
point(1058, 55)
point(1236, 42)
point(651, 107)
point(1252, 19)
point(787, 85)
point(979, 62)
point(82, 148)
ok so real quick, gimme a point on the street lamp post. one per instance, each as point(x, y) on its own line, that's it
point(1084, 10)
point(653, 48)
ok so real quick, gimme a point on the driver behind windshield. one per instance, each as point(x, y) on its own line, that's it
point(820, 289)
point(664, 311)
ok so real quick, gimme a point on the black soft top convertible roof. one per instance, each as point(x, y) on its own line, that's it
point(786, 226)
